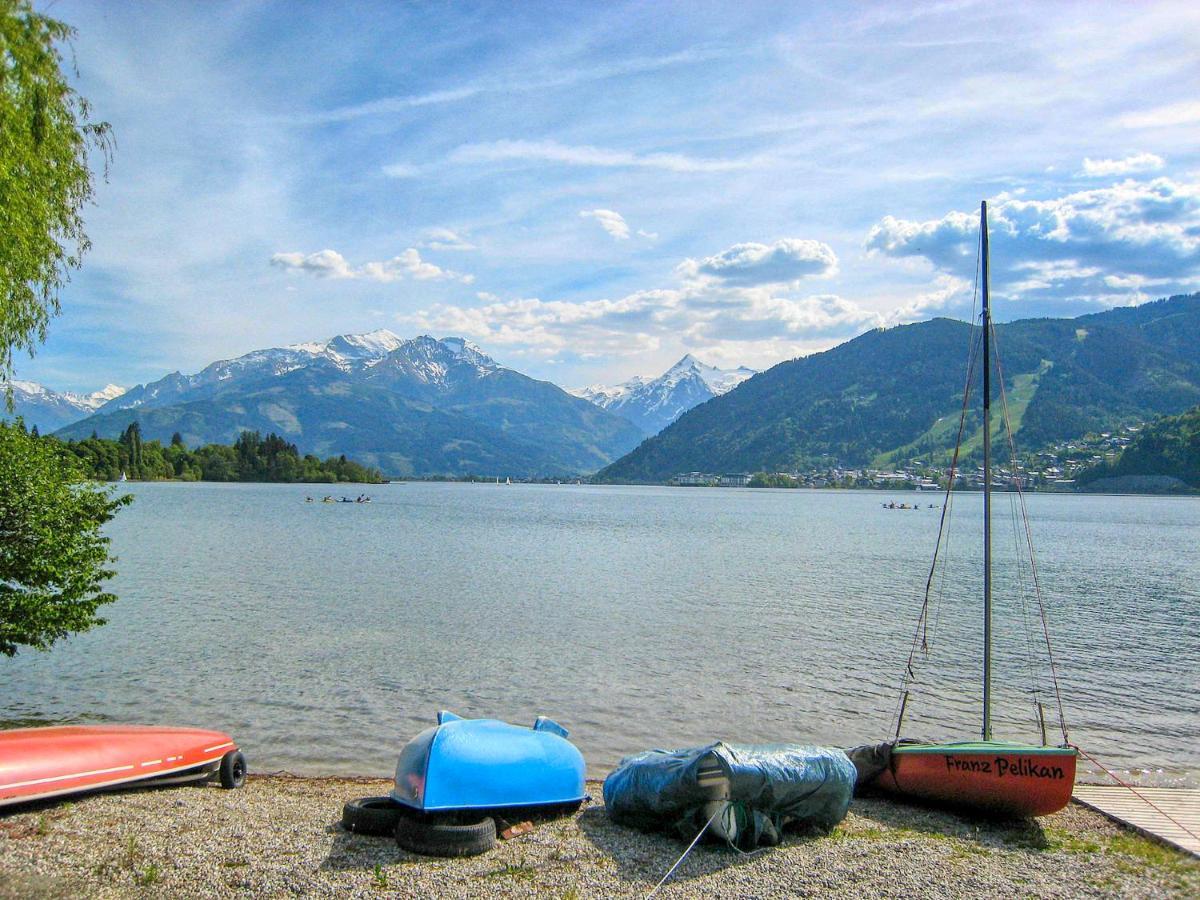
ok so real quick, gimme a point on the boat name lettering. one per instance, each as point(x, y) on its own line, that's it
point(1021, 766)
point(954, 764)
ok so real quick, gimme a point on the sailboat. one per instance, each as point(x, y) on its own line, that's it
point(987, 775)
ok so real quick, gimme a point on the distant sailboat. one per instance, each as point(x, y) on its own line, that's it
point(123, 477)
point(986, 775)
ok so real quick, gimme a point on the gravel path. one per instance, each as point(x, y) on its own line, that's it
point(280, 836)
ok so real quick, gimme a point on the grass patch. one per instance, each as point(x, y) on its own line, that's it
point(519, 871)
point(1152, 855)
point(964, 850)
point(380, 878)
point(235, 863)
point(149, 875)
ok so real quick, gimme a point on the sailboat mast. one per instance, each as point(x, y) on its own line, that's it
point(987, 482)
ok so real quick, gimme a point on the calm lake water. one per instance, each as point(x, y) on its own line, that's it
point(322, 636)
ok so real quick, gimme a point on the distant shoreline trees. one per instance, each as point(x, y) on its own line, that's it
point(251, 457)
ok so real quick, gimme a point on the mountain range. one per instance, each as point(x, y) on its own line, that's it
point(654, 403)
point(890, 395)
point(47, 409)
point(410, 407)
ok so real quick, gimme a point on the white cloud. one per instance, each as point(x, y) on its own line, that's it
point(610, 220)
point(539, 82)
point(947, 292)
point(401, 170)
point(323, 263)
point(1186, 112)
point(1140, 162)
point(1071, 247)
point(564, 154)
point(445, 239)
point(783, 262)
point(331, 264)
point(648, 235)
point(737, 299)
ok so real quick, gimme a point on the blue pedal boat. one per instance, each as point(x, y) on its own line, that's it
point(487, 764)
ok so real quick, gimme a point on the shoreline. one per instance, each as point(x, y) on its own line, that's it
point(280, 835)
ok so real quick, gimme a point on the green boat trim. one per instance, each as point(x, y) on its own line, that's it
point(988, 747)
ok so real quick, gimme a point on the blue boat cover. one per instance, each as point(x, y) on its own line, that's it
point(770, 787)
point(485, 764)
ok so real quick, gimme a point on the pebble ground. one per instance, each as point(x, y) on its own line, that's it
point(280, 836)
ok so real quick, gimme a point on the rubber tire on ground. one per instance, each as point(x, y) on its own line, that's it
point(233, 769)
point(441, 838)
point(371, 815)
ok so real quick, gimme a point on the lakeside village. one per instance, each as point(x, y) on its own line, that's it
point(1052, 469)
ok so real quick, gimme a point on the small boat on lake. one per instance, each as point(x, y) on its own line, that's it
point(38, 763)
point(987, 776)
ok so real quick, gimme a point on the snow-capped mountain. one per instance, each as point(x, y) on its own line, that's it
point(418, 406)
point(345, 352)
point(654, 403)
point(49, 409)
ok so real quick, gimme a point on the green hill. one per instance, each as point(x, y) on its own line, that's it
point(1164, 456)
point(890, 395)
point(515, 426)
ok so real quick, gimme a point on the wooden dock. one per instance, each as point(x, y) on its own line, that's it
point(1126, 807)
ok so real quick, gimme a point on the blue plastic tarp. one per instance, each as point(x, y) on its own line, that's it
point(771, 787)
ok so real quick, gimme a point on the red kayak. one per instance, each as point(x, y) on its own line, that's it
point(36, 763)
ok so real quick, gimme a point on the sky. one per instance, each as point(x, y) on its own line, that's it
point(588, 191)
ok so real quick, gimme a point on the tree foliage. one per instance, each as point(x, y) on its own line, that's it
point(251, 458)
point(1168, 447)
point(46, 136)
point(53, 556)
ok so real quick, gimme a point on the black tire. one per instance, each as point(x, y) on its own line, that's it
point(233, 769)
point(371, 815)
point(443, 838)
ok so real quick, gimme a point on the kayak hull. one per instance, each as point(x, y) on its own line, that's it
point(987, 777)
point(463, 764)
point(37, 763)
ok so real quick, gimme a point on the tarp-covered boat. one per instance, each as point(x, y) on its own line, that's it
point(462, 764)
point(36, 763)
point(747, 793)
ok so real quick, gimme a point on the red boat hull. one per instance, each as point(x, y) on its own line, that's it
point(47, 762)
point(998, 779)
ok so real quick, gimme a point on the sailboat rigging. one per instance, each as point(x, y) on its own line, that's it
point(985, 775)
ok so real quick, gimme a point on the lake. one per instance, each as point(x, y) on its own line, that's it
point(322, 636)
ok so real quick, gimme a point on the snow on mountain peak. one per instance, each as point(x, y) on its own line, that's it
point(106, 393)
point(653, 403)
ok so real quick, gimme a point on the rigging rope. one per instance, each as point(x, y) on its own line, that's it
point(921, 639)
point(1133, 790)
point(1037, 584)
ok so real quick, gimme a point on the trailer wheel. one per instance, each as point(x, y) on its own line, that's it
point(371, 815)
point(233, 769)
point(445, 838)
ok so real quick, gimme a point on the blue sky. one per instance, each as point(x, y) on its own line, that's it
point(588, 191)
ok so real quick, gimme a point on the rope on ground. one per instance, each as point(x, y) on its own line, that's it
point(695, 841)
point(1135, 791)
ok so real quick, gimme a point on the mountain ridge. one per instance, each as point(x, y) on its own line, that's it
point(654, 403)
point(884, 391)
point(419, 406)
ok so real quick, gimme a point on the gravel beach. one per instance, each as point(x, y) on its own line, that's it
point(280, 836)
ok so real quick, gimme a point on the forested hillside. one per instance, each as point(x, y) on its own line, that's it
point(891, 395)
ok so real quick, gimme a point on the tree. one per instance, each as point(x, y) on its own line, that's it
point(53, 556)
point(46, 133)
